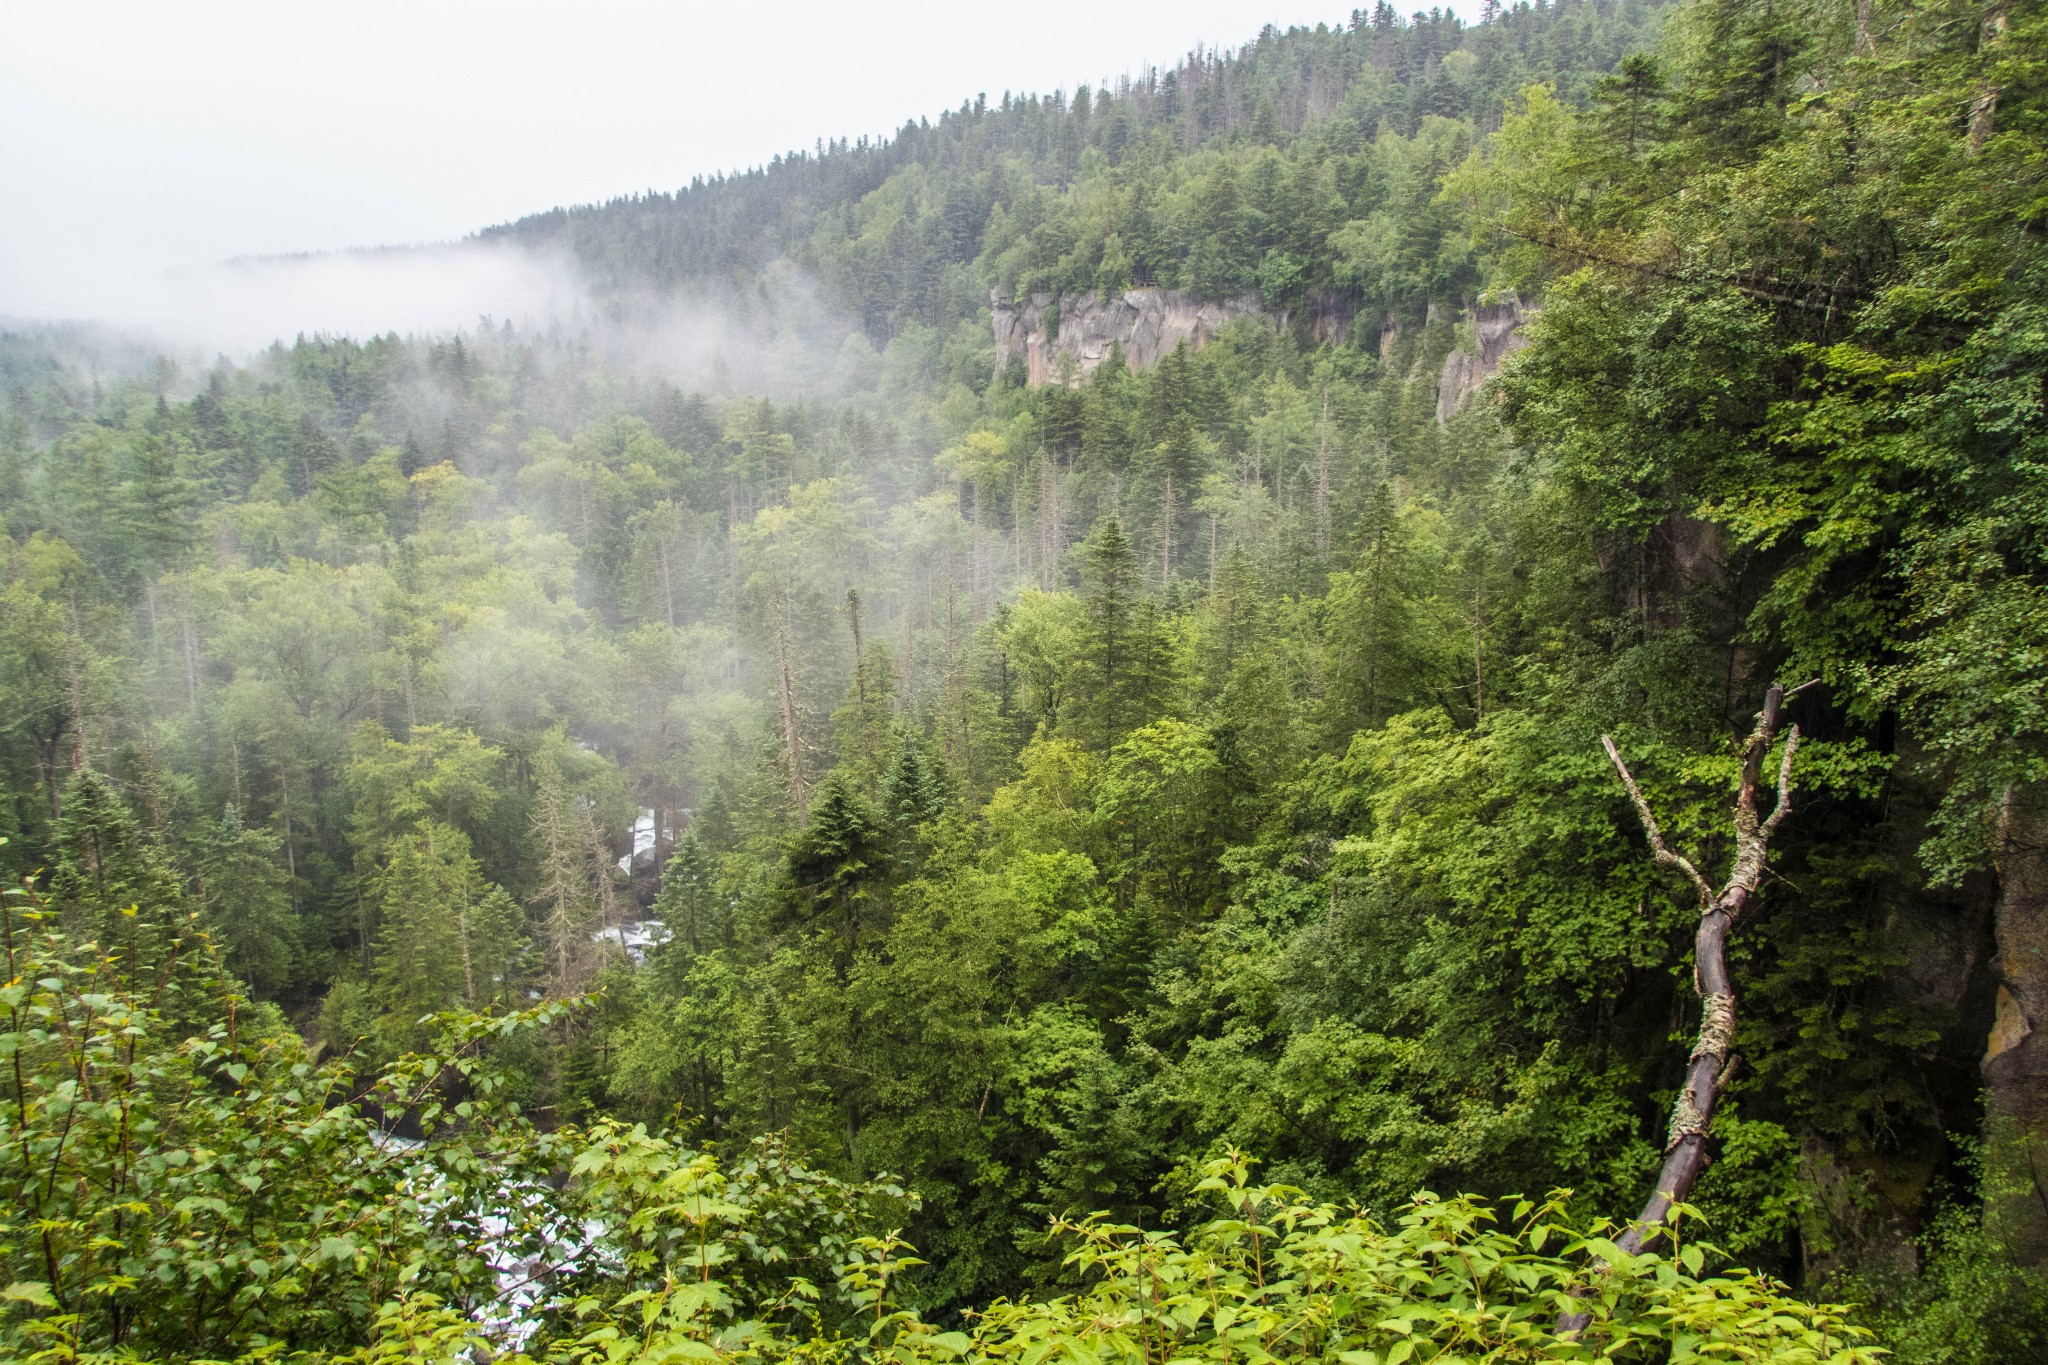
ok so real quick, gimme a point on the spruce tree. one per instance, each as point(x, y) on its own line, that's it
point(160, 503)
point(913, 792)
point(1121, 668)
point(837, 869)
point(687, 904)
point(1370, 631)
point(109, 883)
point(425, 895)
point(245, 889)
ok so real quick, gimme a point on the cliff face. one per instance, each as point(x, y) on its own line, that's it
point(1500, 336)
point(1042, 332)
point(1149, 323)
point(2016, 1062)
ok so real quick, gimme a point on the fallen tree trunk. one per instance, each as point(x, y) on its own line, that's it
point(1692, 1114)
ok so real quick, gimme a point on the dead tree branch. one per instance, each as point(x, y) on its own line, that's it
point(1658, 847)
point(1692, 1114)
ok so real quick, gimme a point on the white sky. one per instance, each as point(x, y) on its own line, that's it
point(140, 136)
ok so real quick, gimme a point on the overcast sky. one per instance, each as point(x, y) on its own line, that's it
point(141, 136)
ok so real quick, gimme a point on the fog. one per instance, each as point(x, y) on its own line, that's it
point(145, 138)
point(241, 306)
point(215, 180)
point(790, 341)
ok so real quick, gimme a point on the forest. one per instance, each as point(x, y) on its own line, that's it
point(1210, 856)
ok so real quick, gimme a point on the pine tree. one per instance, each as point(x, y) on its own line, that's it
point(313, 454)
point(496, 933)
point(913, 793)
point(117, 890)
point(245, 890)
point(1233, 620)
point(836, 870)
point(687, 904)
point(1370, 624)
point(1121, 666)
point(160, 502)
point(109, 883)
point(425, 896)
point(863, 718)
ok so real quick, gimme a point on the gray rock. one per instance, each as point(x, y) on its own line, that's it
point(1500, 336)
point(1148, 323)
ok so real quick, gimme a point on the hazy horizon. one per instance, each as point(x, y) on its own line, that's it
point(159, 149)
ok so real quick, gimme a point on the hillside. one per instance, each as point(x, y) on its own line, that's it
point(1056, 766)
point(1227, 174)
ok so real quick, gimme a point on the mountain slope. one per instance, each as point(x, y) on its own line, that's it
point(1225, 174)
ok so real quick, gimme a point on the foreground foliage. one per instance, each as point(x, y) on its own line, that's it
point(219, 1196)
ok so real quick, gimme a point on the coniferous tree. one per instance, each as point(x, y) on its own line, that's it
point(109, 882)
point(160, 506)
point(426, 894)
point(1121, 665)
point(446, 937)
point(688, 904)
point(837, 870)
point(244, 887)
point(913, 792)
point(1369, 639)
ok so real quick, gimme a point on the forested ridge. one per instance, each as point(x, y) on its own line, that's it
point(1260, 170)
point(1201, 861)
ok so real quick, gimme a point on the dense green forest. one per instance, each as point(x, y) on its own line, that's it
point(1137, 870)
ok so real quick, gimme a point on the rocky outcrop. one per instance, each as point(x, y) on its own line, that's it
point(1147, 323)
point(2016, 1061)
point(1045, 333)
point(1500, 336)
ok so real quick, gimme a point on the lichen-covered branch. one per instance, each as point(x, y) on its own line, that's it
point(1692, 1112)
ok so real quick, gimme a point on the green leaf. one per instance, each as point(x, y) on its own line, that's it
point(30, 1291)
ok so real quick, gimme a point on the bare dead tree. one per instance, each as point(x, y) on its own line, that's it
point(1692, 1114)
point(785, 689)
point(860, 652)
point(1323, 479)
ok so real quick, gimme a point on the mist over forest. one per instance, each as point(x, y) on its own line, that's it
point(1375, 697)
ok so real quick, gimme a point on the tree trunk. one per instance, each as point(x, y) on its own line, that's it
point(785, 686)
point(1323, 480)
point(1478, 663)
point(1692, 1114)
point(191, 649)
point(668, 591)
point(1166, 532)
point(860, 673)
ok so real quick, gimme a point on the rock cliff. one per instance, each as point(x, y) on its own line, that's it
point(1147, 322)
point(1500, 336)
point(1042, 332)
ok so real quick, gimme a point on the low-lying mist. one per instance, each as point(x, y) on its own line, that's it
point(782, 339)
